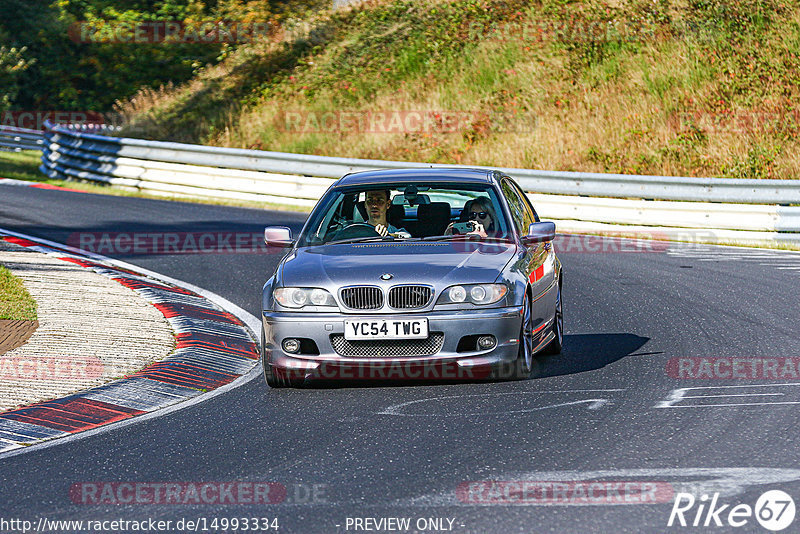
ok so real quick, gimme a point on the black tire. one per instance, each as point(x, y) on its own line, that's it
point(523, 366)
point(555, 346)
point(275, 380)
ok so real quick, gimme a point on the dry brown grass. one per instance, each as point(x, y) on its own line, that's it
point(621, 115)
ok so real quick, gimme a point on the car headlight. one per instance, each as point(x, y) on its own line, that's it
point(297, 297)
point(479, 294)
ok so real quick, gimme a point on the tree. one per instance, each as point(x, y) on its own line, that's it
point(12, 64)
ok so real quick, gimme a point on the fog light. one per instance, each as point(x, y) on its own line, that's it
point(485, 342)
point(291, 345)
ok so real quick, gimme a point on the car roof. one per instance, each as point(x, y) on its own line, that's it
point(436, 174)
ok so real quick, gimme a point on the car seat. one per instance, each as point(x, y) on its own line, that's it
point(433, 218)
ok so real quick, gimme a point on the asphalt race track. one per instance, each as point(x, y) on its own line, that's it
point(607, 409)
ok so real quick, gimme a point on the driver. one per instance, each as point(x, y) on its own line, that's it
point(377, 203)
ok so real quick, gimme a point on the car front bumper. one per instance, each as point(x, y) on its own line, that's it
point(446, 363)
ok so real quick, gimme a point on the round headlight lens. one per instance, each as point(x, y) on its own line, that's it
point(319, 297)
point(457, 294)
point(299, 297)
point(477, 293)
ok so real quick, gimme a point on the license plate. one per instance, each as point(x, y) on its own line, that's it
point(386, 329)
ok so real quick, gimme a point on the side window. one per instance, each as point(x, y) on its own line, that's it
point(526, 201)
point(520, 211)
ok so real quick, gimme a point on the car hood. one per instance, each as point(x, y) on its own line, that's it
point(429, 263)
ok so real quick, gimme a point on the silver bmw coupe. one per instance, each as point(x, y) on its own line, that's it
point(419, 274)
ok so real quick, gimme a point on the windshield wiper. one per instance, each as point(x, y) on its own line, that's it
point(465, 237)
point(450, 237)
point(493, 238)
point(361, 240)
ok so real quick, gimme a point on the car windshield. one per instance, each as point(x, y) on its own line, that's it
point(401, 211)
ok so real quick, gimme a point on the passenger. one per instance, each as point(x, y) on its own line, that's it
point(377, 203)
point(480, 212)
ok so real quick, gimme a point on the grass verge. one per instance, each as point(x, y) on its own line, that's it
point(22, 165)
point(15, 301)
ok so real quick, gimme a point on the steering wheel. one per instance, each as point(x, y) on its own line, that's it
point(356, 230)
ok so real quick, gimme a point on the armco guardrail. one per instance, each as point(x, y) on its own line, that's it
point(17, 139)
point(678, 202)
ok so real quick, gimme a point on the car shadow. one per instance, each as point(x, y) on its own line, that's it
point(582, 352)
point(587, 352)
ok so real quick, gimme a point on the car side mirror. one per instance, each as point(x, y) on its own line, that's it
point(278, 236)
point(539, 232)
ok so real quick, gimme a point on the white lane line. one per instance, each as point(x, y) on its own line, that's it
point(727, 481)
point(736, 395)
point(247, 318)
point(784, 260)
point(729, 405)
point(788, 254)
point(594, 404)
point(678, 395)
point(7, 446)
point(748, 256)
point(793, 384)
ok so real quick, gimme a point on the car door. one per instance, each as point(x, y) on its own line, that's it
point(537, 263)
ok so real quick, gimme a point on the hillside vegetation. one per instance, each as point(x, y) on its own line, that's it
point(677, 87)
point(71, 55)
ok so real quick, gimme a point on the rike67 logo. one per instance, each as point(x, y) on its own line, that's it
point(774, 510)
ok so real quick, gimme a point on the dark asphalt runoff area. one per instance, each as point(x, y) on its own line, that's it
point(607, 412)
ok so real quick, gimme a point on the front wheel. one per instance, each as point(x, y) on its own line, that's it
point(523, 366)
point(555, 346)
point(275, 379)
